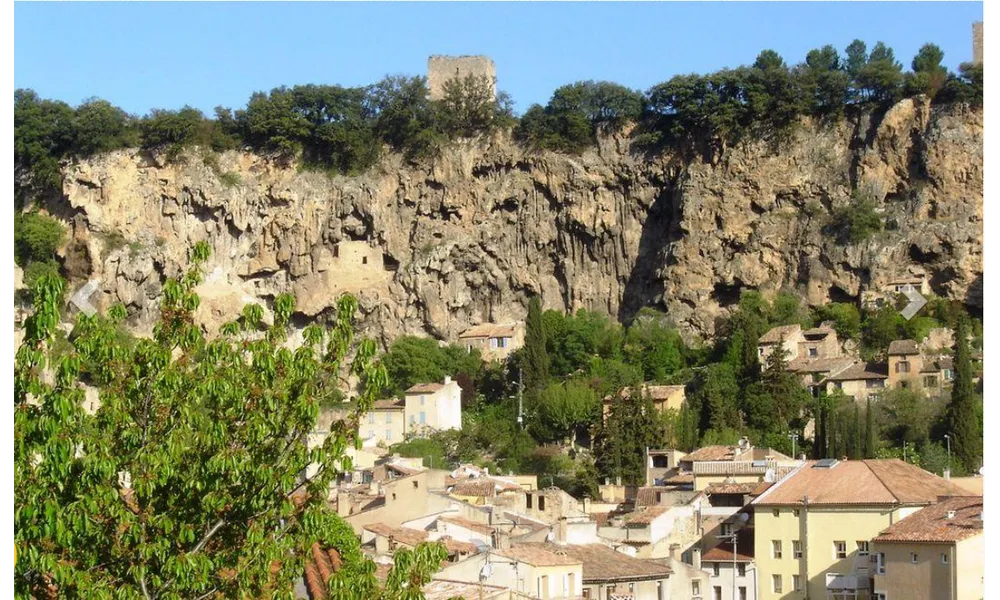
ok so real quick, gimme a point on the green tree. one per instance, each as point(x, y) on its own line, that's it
point(37, 236)
point(535, 358)
point(845, 317)
point(964, 419)
point(870, 445)
point(882, 76)
point(907, 416)
point(631, 427)
point(470, 107)
point(825, 81)
point(880, 328)
point(43, 133)
point(412, 360)
point(563, 408)
point(192, 477)
point(717, 391)
point(929, 75)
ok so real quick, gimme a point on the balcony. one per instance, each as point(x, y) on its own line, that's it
point(852, 582)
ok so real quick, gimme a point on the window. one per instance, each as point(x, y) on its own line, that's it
point(715, 569)
point(903, 367)
point(904, 384)
point(541, 503)
point(413, 419)
point(775, 548)
point(930, 381)
point(528, 499)
point(796, 512)
point(948, 375)
point(914, 557)
point(717, 592)
point(388, 435)
point(695, 587)
point(421, 400)
point(840, 550)
point(416, 484)
point(776, 513)
point(501, 342)
point(880, 596)
point(388, 418)
point(880, 563)
point(944, 558)
point(862, 548)
point(423, 417)
point(796, 549)
point(813, 352)
point(741, 569)
point(743, 593)
point(727, 529)
point(776, 584)
point(873, 383)
point(797, 582)
point(364, 260)
point(371, 418)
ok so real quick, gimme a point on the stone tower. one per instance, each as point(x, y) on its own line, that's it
point(977, 43)
point(442, 68)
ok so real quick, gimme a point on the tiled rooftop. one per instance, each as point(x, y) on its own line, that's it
point(933, 525)
point(904, 347)
point(779, 333)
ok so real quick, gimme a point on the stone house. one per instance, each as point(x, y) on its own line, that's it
point(937, 552)
point(660, 463)
point(663, 396)
point(788, 337)
point(494, 341)
point(859, 381)
point(905, 364)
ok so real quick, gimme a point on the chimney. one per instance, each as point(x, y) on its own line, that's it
point(675, 551)
point(951, 514)
point(586, 504)
point(502, 539)
point(696, 557)
point(561, 531)
point(947, 473)
point(618, 481)
point(447, 379)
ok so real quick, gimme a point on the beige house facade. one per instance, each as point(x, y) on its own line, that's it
point(938, 552)
point(494, 341)
point(433, 407)
point(813, 529)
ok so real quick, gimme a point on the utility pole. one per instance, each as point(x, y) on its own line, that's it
point(793, 437)
point(947, 439)
point(520, 399)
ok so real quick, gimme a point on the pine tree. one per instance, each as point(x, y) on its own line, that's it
point(536, 357)
point(963, 418)
point(869, 430)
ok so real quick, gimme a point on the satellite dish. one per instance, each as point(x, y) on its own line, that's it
point(981, 470)
point(743, 518)
point(550, 536)
point(485, 572)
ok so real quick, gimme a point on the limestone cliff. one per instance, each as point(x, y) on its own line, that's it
point(470, 236)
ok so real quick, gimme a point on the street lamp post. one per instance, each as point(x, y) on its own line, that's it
point(793, 437)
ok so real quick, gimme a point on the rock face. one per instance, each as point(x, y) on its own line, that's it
point(471, 235)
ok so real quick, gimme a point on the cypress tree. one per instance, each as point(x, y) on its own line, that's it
point(856, 433)
point(536, 357)
point(869, 430)
point(963, 417)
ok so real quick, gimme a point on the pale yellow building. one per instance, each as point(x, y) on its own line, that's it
point(936, 553)
point(813, 529)
point(433, 407)
point(385, 423)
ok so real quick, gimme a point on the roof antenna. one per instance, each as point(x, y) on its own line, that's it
point(520, 399)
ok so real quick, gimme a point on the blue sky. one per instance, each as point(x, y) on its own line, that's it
point(164, 55)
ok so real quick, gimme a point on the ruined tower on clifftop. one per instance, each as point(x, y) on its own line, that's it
point(977, 43)
point(442, 68)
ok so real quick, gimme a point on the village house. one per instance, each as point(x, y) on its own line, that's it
point(730, 567)
point(660, 464)
point(937, 552)
point(742, 463)
point(860, 380)
point(425, 408)
point(382, 539)
point(531, 570)
point(813, 528)
point(494, 341)
point(663, 397)
point(905, 364)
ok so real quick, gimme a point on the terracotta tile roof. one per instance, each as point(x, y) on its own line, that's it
point(932, 525)
point(539, 555)
point(745, 489)
point(645, 516)
point(320, 565)
point(403, 469)
point(818, 332)
point(712, 453)
point(424, 388)
point(601, 518)
point(819, 365)
point(862, 371)
point(444, 589)
point(724, 551)
point(938, 364)
point(403, 535)
point(603, 564)
point(858, 482)
point(904, 347)
point(677, 477)
point(391, 404)
point(489, 330)
point(478, 488)
point(470, 525)
point(778, 333)
point(647, 496)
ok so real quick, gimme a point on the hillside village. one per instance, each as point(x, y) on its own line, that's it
point(814, 446)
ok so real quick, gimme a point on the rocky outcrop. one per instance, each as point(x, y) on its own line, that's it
point(471, 235)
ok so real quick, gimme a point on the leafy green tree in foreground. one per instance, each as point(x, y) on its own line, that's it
point(189, 479)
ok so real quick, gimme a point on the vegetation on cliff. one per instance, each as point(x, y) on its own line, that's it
point(346, 129)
